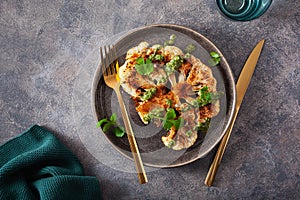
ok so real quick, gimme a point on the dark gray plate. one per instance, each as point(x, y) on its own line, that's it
point(153, 152)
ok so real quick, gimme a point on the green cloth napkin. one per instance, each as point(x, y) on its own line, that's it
point(35, 165)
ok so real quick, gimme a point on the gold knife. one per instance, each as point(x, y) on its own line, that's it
point(241, 88)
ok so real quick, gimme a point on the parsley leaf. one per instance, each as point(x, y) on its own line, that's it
point(205, 97)
point(170, 120)
point(170, 113)
point(119, 131)
point(111, 123)
point(215, 58)
point(101, 122)
point(140, 61)
point(144, 68)
point(167, 124)
point(113, 117)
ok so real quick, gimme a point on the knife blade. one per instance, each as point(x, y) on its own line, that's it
point(241, 88)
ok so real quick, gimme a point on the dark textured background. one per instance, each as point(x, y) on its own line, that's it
point(42, 44)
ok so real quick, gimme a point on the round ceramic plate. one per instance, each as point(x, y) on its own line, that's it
point(148, 137)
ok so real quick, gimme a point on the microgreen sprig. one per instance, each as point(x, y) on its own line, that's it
point(111, 123)
point(171, 40)
point(206, 97)
point(215, 58)
point(170, 118)
point(190, 48)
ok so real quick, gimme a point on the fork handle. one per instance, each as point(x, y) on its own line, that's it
point(132, 142)
point(219, 154)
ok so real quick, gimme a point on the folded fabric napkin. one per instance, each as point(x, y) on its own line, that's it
point(35, 165)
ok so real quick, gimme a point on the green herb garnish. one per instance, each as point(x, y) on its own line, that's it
point(171, 144)
point(190, 48)
point(159, 57)
point(170, 119)
point(154, 113)
point(162, 80)
point(187, 56)
point(169, 102)
point(148, 94)
point(203, 127)
point(111, 123)
point(172, 37)
point(171, 40)
point(174, 64)
point(205, 97)
point(144, 68)
point(215, 58)
point(189, 133)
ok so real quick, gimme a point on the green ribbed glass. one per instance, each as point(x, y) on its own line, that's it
point(243, 10)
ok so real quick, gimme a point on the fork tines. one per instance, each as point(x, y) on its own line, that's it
point(108, 59)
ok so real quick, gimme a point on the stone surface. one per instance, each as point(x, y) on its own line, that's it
point(42, 46)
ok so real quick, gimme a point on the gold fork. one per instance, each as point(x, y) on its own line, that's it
point(112, 80)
